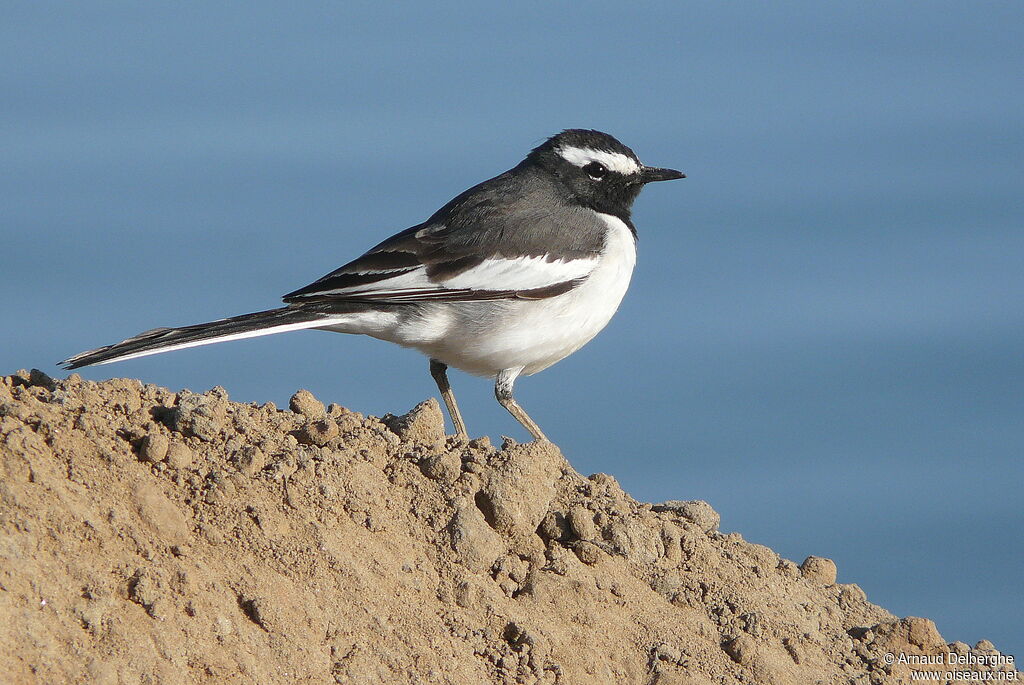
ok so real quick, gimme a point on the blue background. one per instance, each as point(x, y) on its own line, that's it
point(824, 335)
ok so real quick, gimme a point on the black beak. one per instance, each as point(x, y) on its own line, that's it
point(650, 173)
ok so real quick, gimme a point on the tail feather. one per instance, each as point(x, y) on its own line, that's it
point(160, 340)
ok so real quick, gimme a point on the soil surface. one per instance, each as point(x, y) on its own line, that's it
point(151, 536)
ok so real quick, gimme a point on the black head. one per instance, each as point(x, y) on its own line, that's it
point(596, 170)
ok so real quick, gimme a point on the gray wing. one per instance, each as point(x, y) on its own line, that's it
point(504, 238)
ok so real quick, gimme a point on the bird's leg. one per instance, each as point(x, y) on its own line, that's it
point(439, 370)
point(503, 391)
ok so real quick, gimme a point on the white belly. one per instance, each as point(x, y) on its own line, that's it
point(487, 337)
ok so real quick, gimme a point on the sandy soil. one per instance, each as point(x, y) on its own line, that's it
point(161, 537)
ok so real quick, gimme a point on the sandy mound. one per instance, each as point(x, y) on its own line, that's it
point(153, 536)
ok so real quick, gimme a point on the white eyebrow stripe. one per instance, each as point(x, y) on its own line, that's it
point(616, 161)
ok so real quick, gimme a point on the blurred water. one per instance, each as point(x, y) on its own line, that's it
point(824, 336)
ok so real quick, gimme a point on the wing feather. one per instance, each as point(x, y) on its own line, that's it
point(499, 240)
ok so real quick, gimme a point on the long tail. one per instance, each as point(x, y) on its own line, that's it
point(235, 328)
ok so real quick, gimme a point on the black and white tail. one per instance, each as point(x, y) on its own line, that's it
point(235, 328)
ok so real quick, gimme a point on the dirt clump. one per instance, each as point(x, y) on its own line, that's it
point(154, 536)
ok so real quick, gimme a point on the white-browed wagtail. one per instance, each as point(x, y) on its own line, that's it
point(508, 278)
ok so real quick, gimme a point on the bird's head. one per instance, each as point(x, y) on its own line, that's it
point(596, 170)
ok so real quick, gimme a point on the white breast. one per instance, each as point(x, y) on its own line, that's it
point(484, 338)
point(575, 318)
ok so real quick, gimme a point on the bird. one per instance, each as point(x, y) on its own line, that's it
point(506, 279)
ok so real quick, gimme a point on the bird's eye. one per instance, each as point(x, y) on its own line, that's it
point(595, 170)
